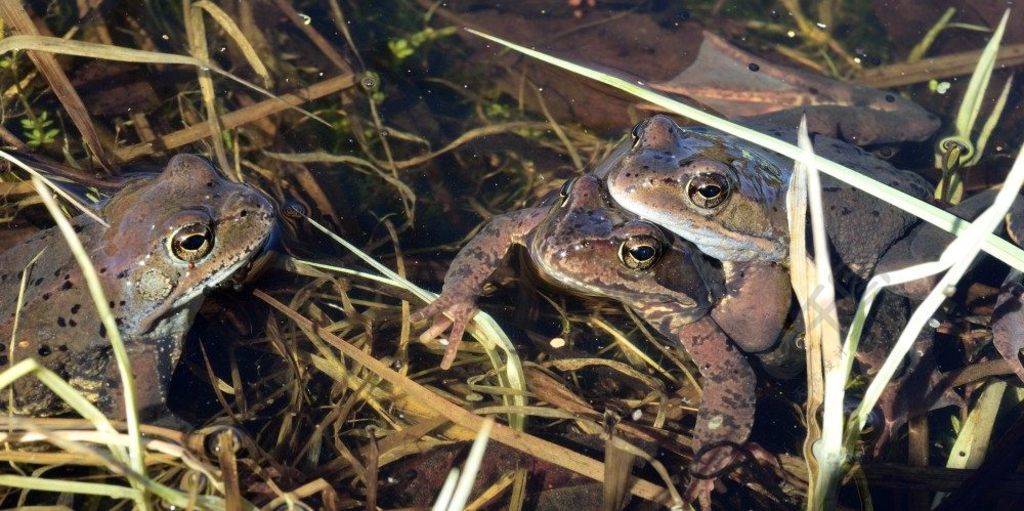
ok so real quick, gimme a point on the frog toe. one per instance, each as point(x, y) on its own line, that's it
point(440, 325)
point(460, 317)
point(700, 490)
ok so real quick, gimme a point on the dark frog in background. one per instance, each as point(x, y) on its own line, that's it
point(170, 239)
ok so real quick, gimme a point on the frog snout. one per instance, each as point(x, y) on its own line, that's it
point(659, 133)
point(587, 193)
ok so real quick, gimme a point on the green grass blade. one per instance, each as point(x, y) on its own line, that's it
point(958, 257)
point(990, 123)
point(974, 96)
point(993, 245)
point(65, 486)
point(509, 370)
point(92, 280)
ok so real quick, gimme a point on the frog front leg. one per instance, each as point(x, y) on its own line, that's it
point(152, 364)
point(726, 412)
point(756, 303)
point(473, 265)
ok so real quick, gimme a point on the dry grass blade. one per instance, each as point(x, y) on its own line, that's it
point(523, 442)
point(13, 12)
point(918, 51)
point(122, 54)
point(63, 486)
point(471, 467)
point(236, 35)
point(957, 258)
point(821, 321)
point(976, 433)
point(196, 29)
point(994, 245)
point(617, 471)
point(64, 195)
point(31, 368)
point(463, 139)
point(237, 118)
point(933, 68)
point(802, 276)
point(508, 370)
point(322, 44)
point(135, 451)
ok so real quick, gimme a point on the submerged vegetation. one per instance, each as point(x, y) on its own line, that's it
point(387, 134)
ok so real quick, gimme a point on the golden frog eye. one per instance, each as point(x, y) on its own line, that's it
point(708, 190)
point(294, 210)
point(640, 252)
point(191, 242)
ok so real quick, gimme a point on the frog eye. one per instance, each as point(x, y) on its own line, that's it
point(294, 210)
point(640, 252)
point(191, 242)
point(708, 190)
point(566, 189)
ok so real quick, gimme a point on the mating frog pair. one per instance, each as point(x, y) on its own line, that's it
point(584, 244)
point(727, 198)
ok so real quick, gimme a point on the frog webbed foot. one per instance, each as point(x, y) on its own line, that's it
point(714, 461)
point(448, 312)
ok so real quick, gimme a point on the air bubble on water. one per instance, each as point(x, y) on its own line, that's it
point(368, 82)
point(384, 133)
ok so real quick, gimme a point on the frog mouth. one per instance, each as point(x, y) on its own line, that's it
point(251, 267)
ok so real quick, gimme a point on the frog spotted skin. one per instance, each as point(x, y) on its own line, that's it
point(586, 246)
point(727, 196)
point(171, 238)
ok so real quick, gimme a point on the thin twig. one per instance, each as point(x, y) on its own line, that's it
point(237, 118)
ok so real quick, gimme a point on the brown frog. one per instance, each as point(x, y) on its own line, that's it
point(738, 84)
point(588, 247)
point(171, 238)
point(727, 196)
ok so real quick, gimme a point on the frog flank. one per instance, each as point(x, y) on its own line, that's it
point(171, 238)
